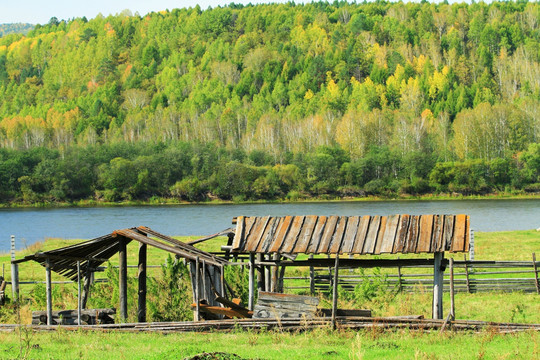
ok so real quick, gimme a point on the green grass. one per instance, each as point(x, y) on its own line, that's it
point(318, 344)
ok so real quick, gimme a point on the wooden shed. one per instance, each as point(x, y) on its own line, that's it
point(80, 261)
point(275, 241)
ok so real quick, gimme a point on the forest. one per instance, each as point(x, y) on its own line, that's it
point(273, 101)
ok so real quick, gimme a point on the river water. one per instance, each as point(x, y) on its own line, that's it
point(32, 225)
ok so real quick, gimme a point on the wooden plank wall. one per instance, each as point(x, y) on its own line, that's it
point(352, 234)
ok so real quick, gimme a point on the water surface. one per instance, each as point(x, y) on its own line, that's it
point(32, 225)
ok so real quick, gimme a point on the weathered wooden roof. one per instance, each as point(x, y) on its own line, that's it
point(352, 234)
point(93, 253)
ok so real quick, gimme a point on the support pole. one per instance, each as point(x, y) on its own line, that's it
point(260, 274)
point(14, 273)
point(467, 280)
point(197, 289)
point(222, 281)
point(251, 280)
point(79, 293)
point(268, 276)
point(471, 246)
point(49, 290)
point(400, 281)
point(87, 282)
point(452, 291)
point(141, 310)
point(536, 273)
point(122, 278)
point(275, 275)
point(335, 292)
point(311, 278)
point(438, 286)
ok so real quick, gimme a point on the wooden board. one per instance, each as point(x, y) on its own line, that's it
point(267, 222)
point(337, 238)
point(292, 235)
point(380, 235)
point(448, 232)
point(412, 236)
point(305, 235)
point(390, 234)
point(257, 232)
point(458, 241)
point(277, 305)
point(401, 236)
point(371, 236)
point(269, 235)
point(437, 234)
point(350, 234)
point(281, 233)
point(360, 238)
point(328, 232)
point(317, 235)
point(240, 232)
point(425, 231)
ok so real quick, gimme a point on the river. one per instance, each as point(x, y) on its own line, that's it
point(32, 225)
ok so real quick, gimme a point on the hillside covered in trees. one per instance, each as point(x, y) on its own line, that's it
point(15, 28)
point(273, 101)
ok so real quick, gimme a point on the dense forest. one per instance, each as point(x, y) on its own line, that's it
point(273, 101)
point(15, 28)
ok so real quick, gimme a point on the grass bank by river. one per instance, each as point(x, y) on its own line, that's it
point(301, 199)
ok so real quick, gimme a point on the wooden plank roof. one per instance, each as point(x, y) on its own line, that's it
point(93, 253)
point(352, 234)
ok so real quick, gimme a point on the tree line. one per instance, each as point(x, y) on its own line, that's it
point(388, 97)
point(193, 172)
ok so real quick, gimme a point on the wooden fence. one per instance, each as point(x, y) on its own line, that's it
point(469, 276)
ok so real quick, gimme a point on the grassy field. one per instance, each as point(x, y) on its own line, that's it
point(318, 344)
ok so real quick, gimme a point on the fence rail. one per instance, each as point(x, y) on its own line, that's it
point(469, 276)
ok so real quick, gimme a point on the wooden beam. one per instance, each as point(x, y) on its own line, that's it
point(438, 286)
point(79, 308)
point(49, 291)
point(122, 278)
point(141, 310)
point(260, 274)
point(452, 303)
point(251, 299)
point(536, 273)
point(197, 289)
point(335, 291)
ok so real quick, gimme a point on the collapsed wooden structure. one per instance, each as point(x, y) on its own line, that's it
point(82, 260)
point(271, 244)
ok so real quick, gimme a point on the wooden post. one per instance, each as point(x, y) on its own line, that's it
point(452, 293)
point(467, 274)
point(274, 286)
point(222, 281)
point(122, 277)
point(14, 273)
point(86, 290)
point(141, 310)
point(471, 246)
point(251, 280)
point(281, 279)
point(536, 273)
point(400, 285)
point(49, 290)
point(197, 289)
point(335, 292)
point(311, 278)
point(438, 286)
point(268, 275)
point(79, 309)
point(260, 274)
